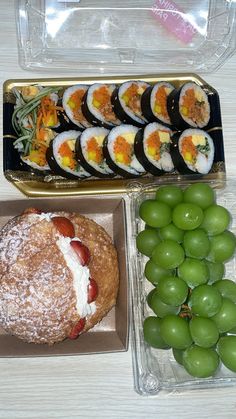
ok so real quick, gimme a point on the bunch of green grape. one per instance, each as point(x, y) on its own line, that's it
point(187, 240)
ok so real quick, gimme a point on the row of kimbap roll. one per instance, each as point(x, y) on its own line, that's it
point(128, 151)
point(138, 103)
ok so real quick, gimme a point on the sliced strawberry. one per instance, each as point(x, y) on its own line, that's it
point(32, 210)
point(77, 329)
point(92, 290)
point(64, 226)
point(82, 251)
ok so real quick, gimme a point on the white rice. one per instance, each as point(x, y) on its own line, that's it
point(138, 118)
point(135, 167)
point(204, 98)
point(66, 96)
point(84, 138)
point(156, 87)
point(57, 142)
point(93, 109)
point(203, 163)
point(165, 162)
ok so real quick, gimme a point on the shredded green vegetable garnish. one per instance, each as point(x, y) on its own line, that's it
point(25, 113)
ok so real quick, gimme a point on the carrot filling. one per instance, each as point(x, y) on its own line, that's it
point(189, 150)
point(47, 114)
point(154, 145)
point(102, 102)
point(123, 150)
point(160, 106)
point(132, 97)
point(157, 143)
point(66, 152)
point(193, 106)
point(94, 151)
point(74, 102)
point(46, 118)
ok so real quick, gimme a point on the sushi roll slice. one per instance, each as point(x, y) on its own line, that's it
point(126, 101)
point(189, 107)
point(89, 152)
point(31, 165)
point(35, 159)
point(154, 102)
point(72, 101)
point(119, 151)
point(61, 156)
point(152, 148)
point(97, 107)
point(193, 152)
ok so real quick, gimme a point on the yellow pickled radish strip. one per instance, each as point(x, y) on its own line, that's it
point(184, 110)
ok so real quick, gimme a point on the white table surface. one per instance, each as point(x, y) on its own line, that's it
point(101, 386)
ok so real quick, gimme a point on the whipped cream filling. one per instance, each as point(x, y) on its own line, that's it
point(80, 276)
point(80, 273)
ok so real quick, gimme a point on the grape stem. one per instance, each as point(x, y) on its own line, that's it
point(185, 311)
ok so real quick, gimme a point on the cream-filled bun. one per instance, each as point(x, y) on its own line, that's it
point(58, 275)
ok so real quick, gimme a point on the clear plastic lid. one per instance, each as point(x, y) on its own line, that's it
point(141, 36)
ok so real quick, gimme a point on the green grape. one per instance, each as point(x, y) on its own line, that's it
point(178, 355)
point(227, 351)
point(203, 331)
point(196, 243)
point(151, 332)
point(170, 195)
point(200, 194)
point(216, 271)
point(146, 240)
point(172, 290)
point(222, 247)
point(216, 220)
point(194, 272)
point(161, 309)
point(232, 331)
point(205, 301)
point(187, 216)
point(154, 213)
point(227, 289)
point(149, 297)
point(175, 331)
point(154, 273)
point(225, 318)
point(171, 232)
point(168, 254)
point(200, 362)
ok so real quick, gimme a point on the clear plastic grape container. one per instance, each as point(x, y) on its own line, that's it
point(126, 36)
point(156, 370)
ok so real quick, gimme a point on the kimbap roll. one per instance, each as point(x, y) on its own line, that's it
point(72, 101)
point(119, 151)
point(193, 152)
point(154, 102)
point(152, 148)
point(36, 159)
point(189, 106)
point(89, 152)
point(127, 102)
point(97, 107)
point(61, 156)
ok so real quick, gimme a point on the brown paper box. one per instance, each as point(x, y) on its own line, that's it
point(111, 334)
